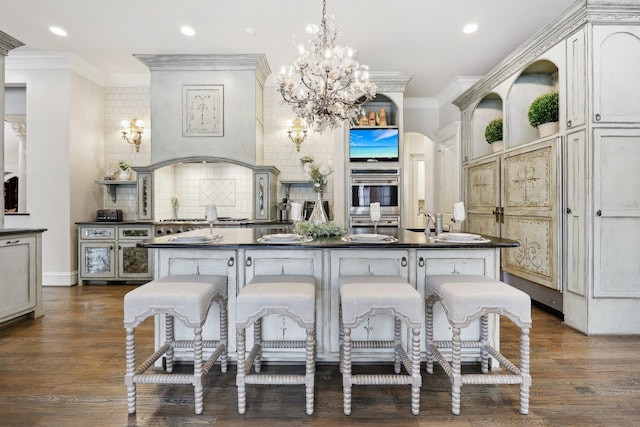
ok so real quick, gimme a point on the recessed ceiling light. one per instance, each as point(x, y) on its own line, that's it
point(470, 28)
point(188, 31)
point(58, 31)
point(249, 31)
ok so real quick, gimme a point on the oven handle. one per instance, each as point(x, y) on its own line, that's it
point(375, 180)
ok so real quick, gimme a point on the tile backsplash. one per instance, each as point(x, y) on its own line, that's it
point(195, 185)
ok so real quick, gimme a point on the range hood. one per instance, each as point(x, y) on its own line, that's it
point(207, 105)
point(208, 108)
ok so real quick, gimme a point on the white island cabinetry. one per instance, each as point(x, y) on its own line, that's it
point(21, 277)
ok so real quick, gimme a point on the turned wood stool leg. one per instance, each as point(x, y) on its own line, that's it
point(397, 341)
point(224, 335)
point(346, 369)
point(310, 368)
point(456, 364)
point(198, 391)
point(484, 343)
point(416, 378)
point(429, 334)
point(257, 341)
point(524, 369)
point(241, 350)
point(169, 338)
point(130, 352)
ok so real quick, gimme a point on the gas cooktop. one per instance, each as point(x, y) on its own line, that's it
point(185, 220)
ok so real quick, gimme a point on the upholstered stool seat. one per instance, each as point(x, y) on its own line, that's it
point(293, 296)
point(364, 296)
point(189, 299)
point(466, 298)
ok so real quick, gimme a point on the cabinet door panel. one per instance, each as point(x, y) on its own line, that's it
point(98, 260)
point(617, 217)
point(483, 196)
point(531, 209)
point(576, 80)
point(576, 222)
point(133, 262)
point(18, 277)
point(616, 67)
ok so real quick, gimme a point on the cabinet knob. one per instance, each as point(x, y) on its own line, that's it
point(421, 262)
point(403, 261)
point(568, 210)
point(569, 124)
point(249, 261)
point(598, 117)
point(231, 261)
point(599, 212)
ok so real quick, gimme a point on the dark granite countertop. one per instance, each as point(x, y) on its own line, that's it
point(233, 238)
point(14, 231)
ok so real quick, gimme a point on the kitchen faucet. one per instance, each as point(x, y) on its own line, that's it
point(429, 217)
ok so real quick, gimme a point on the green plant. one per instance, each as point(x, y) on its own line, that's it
point(493, 131)
point(544, 109)
point(330, 229)
point(123, 165)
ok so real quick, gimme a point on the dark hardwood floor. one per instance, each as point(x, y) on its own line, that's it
point(67, 369)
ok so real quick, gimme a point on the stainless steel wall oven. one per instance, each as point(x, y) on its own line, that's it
point(374, 185)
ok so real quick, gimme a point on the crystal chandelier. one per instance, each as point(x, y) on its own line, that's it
point(325, 86)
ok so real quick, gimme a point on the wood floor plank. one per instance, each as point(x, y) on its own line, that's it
point(67, 369)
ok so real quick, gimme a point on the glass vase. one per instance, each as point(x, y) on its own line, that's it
point(318, 215)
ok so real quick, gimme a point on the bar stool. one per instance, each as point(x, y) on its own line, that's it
point(293, 296)
point(365, 296)
point(188, 298)
point(465, 299)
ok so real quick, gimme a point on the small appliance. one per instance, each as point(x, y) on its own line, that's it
point(109, 215)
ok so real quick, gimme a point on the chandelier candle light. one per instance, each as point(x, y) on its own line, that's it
point(325, 86)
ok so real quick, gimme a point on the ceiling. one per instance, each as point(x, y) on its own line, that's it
point(421, 38)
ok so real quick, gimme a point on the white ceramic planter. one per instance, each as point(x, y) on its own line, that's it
point(547, 129)
point(497, 146)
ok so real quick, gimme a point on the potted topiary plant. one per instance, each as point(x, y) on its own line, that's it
point(544, 112)
point(493, 134)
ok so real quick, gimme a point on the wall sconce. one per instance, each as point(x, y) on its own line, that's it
point(297, 131)
point(134, 128)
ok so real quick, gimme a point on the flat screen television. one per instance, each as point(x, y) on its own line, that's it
point(373, 144)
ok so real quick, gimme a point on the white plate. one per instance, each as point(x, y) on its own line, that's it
point(294, 238)
point(459, 236)
point(191, 239)
point(368, 237)
point(285, 237)
point(479, 239)
point(373, 238)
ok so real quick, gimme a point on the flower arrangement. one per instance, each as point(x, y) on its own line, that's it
point(319, 176)
point(123, 165)
point(329, 229)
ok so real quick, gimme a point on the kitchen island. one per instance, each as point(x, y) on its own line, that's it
point(242, 253)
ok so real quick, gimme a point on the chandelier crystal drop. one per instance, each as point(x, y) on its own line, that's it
point(325, 86)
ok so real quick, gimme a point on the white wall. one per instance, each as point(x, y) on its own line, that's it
point(62, 154)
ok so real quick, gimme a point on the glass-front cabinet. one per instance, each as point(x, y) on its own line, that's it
point(110, 252)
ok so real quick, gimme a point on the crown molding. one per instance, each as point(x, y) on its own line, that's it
point(37, 60)
point(8, 43)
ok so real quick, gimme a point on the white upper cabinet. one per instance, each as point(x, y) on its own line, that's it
point(616, 74)
point(576, 80)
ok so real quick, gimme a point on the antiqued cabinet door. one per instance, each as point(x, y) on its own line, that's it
point(616, 64)
point(483, 197)
point(616, 223)
point(531, 202)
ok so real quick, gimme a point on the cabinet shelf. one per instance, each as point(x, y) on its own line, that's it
point(112, 186)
